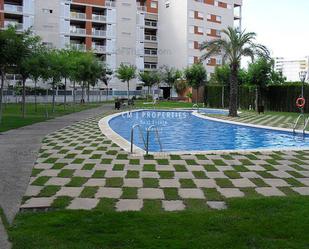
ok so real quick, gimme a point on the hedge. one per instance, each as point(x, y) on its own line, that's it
point(276, 97)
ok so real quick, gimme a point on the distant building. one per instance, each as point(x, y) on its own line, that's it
point(290, 68)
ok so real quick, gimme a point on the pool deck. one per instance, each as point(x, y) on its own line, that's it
point(80, 168)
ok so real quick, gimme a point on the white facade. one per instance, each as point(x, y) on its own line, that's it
point(291, 68)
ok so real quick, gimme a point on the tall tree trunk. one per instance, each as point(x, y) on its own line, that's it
point(35, 95)
point(222, 96)
point(74, 95)
point(1, 95)
point(107, 92)
point(65, 92)
point(88, 93)
point(258, 98)
point(148, 92)
point(128, 82)
point(83, 93)
point(197, 99)
point(24, 98)
point(233, 91)
point(53, 104)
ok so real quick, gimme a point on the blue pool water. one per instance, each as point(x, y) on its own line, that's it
point(182, 131)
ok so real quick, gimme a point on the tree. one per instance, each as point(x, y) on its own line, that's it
point(28, 46)
point(170, 75)
point(125, 73)
point(196, 77)
point(180, 86)
point(233, 48)
point(145, 77)
point(221, 75)
point(8, 57)
point(259, 75)
point(54, 72)
point(106, 76)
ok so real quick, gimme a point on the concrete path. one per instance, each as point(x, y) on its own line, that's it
point(18, 152)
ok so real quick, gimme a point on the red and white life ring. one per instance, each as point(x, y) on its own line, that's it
point(300, 102)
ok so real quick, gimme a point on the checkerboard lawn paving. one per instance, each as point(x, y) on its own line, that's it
point(79, 168)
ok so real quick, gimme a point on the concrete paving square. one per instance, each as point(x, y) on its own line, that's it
point(193, 193)
point(129, 205)
point(231, 192)
point(114, 193)
point(269, 191)
point(150, 193)
point(83, 203)
point(173, 205)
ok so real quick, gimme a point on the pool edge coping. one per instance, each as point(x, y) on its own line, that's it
point(125, 144)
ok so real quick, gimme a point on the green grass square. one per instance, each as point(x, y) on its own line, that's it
point(129, 193)
point(224, 183)
point(152, 206)
point(191, 162)
point(211, 168)
point(201, 157)
point(61, 202)
point(227, 157)
point(240, 168)
point(295, 174)
point(149, 167)
point(35, 172)
point(51, 160)
point(288, 191)
point(199, 174)
point(180, 168)
point(106, 205)
point(70, 156)
point(150, 183)
point(162, 161)
point(66, 173)
point(212, 194)
point(175, 157)
point(87, 152)
point(122, 157)
point(195, 205)
point(59, 165)
point(187, 183)
point(78, 161)
point(99, 174)
point(40, 181)
point(232, 174)
point(114, 182)
point(118, 167)
point(250, 193)
point(49, 191)
point(96, 156)
point(259, 182)
point(88, 166)
point(219, 162)
point(246, 162)
point(132, 174)
point(77, 181)
point(89, 192)
point(166, 174)
point(171, 194)
point(294, 183)
point(112, 152)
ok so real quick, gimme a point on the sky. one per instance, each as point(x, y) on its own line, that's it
point(281, 25)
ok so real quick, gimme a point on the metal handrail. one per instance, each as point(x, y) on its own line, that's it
point(297, 120)
point(197, 107)
point(132, 135)
point(306, 124)
point(147, 138)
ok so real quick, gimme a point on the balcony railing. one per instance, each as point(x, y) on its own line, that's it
point(78, 31)
point(96, 32)
point(99, 48)
point(13, 8)
point(17, 25)
point(77, 15)
point(152, 24)
point(150, 66)
point(150, 37)
point(141, 8)
point(110, 4)
point(77, 46)
point(100, 18)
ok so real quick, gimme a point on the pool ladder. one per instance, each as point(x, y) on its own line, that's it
point(196, 106)
point(306, 122)
point(145, 142)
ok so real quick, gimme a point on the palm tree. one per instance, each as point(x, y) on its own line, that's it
point(126, 73)
point(232, 48)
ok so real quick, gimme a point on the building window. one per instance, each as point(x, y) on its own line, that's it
point(200, 15)
point(200, 29)
point(191, 60)
point(154, 5)
point(47, 11)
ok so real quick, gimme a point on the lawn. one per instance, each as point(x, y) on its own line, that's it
point(12, 117)
point(247, 223)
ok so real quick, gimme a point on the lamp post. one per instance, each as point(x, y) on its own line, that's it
point(302, 77)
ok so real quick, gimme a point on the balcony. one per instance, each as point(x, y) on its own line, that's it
point(98, 48)
point(78, 15)
point(152, 38)
point(141, 8)
point(13, 8)
point(18, 26)
point(77, 46)
point(98, 18)
point(110, 4)
point(97, 32)
point(77, 31)
point(151, 24)
point(150, 66)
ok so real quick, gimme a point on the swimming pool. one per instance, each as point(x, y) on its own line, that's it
point(188, 131)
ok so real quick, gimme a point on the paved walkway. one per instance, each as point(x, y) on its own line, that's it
point(79, 168)
point(18, 152)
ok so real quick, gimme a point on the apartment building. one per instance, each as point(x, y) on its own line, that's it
point(145, 33)
point(291, 68)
